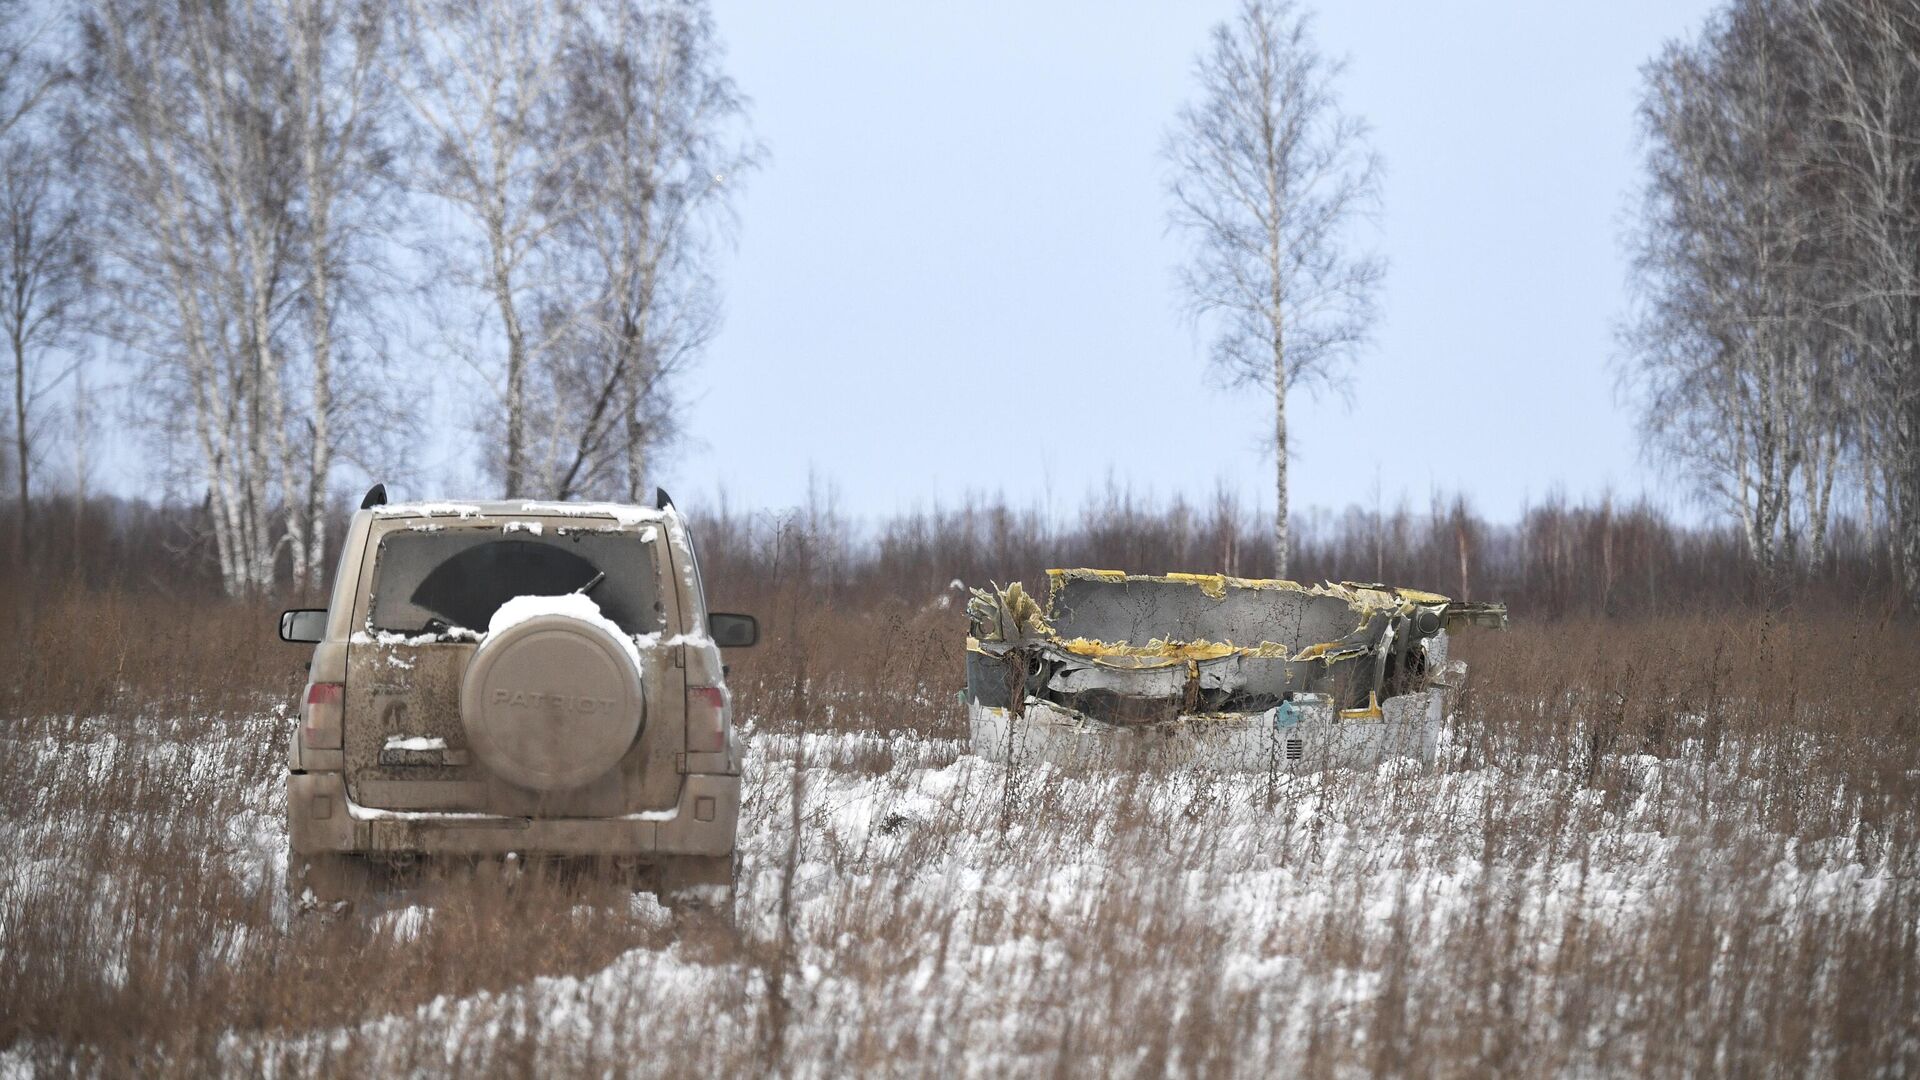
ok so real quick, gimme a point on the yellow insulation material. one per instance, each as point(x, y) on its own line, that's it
point(1363, 598)
point(1370, 712)
point(1172, 650)
point(1007, 614)
point(1212, 585)
point(1329, 651)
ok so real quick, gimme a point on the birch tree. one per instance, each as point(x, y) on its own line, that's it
point(41, 256)
point(336, 50)
point(657, 131)
point(1723, 340)
point(27, 78)
point(484, 83)
point(1863, 90)
point(229, 151)
point(1777, 333)
point(42, 276)
point(188, 149)
point(1268, 177)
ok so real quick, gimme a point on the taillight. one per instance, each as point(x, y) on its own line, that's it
point(707, 708)
point(320, 718)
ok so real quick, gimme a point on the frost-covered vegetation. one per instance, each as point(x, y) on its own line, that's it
point(1651, 848)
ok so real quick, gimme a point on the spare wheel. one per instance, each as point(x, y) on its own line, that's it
point(551, 703)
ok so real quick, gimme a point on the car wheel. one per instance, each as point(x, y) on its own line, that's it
point(327, 881)
point(697, 887)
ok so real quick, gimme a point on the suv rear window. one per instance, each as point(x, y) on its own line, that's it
point(429, 582)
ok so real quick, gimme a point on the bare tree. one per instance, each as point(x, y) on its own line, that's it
point(190, 148)
point(485, 84)
point(1722, 338)
point(235, 156)
point(42, 261)
point(42, 272)
point(1778, 262)
point(336, 53)
point(1863, 93)
point(1268, 177)
point(26, 76)
point(656, 126)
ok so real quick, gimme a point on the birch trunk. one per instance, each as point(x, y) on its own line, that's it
point(23, 519)
point(516, 371)
point(313, 560)
point(1280, 538)
point(637, 367)
point(306, 514)
point(80, 436)
point(1908, 428)
point(636, 448)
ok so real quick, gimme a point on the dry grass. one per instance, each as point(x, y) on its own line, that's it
point(1656, 847)
point(81, 652)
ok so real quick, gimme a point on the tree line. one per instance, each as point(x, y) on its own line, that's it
point(1775, 346)
point(1556, 559)
point(229, 193)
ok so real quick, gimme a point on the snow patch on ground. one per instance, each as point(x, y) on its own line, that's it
point(951, 911)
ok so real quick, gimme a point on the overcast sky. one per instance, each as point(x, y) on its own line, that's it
point(954, 273)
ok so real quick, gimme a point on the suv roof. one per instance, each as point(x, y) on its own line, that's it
point(624, 513)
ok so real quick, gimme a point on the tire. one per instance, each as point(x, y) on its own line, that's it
point(327, 882)
point(697, 887)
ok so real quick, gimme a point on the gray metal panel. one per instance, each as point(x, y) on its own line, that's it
point(1138, 611)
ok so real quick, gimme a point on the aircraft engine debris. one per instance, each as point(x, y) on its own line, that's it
point(1144, 671)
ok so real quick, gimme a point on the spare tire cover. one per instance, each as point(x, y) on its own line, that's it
point(551, 703)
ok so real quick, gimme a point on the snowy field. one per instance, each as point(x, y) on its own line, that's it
point(1573, 911)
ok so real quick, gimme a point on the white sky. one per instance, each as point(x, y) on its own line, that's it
point(954, 275)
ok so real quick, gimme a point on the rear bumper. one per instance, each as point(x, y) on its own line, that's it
point(320, 818)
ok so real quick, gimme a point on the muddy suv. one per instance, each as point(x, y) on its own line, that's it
point(539, 679)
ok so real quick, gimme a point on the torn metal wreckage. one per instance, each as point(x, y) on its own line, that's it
point(1137, 671)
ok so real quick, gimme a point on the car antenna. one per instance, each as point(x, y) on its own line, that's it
point(376, 496)
point(662, 500)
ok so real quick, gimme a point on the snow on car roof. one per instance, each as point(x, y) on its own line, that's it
point(621, 512)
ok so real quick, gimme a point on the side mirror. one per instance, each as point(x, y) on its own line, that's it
point(733, 631)
point(303, 625)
